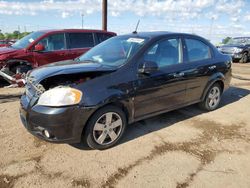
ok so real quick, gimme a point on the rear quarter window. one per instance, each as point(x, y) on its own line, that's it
point(81, 40)
point(103, 36)
point(197, 50)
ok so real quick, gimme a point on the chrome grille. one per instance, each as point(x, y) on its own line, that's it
point(227, 50)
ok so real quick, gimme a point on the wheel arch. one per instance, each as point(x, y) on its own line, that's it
point(16, 62)
point(217, 78)
point(246, 51)
point(118, 104)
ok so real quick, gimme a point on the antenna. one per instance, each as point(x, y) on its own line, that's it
point(135, 31)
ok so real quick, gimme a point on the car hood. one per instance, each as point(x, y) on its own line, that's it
point(7, 50)
point(232, 46)
point(66, 67)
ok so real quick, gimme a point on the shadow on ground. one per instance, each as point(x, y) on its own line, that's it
point(9, 98)
point(141, 128)
point(3, 83)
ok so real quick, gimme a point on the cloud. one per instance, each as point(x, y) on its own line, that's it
point(65, 8)
point(174, 15)
point(65, 14)
point(232, 7)
point(183, 9)
point(247, 17)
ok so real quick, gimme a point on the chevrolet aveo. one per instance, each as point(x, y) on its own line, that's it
point(122, 80)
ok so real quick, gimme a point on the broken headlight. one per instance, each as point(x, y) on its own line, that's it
point(60, 96)
point(237, 50)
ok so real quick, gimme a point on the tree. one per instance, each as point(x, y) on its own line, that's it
point(1, 36)
point(14, 35)
point(225, 40)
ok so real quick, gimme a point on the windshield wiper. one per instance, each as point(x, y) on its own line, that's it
point(85, 60)
point(77, 59)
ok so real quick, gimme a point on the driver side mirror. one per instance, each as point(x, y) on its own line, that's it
point(148, 67)
point(39, 48)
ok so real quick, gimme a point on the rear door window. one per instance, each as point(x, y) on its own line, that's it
point(197, 50)
point(103, 36)
point(80, 40)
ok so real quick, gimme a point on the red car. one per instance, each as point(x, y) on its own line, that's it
point(43, 47)
point(5, 43)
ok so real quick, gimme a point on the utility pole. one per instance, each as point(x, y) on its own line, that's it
point(82, 19)
point(18, 36)
point(104, 14)
point(211, 28)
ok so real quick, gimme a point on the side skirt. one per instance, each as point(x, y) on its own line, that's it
point(163, 111)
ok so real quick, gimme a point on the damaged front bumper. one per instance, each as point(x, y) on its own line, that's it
point(17, 80)
point(64, 124)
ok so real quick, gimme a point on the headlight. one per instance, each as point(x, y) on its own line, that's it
point(237, 50)
point(60, 96)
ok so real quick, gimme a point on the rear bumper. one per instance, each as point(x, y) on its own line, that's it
point(65, 124)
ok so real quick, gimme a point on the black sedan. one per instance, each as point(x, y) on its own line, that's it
point(122, 80)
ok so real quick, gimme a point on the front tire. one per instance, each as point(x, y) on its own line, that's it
point(244, 58)
point(105, 128)
point(212, 99)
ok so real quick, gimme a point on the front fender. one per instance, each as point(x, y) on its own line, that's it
point(104, 97)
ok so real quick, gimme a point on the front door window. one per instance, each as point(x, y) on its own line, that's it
point(54, 42)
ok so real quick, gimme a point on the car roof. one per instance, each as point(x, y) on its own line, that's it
point(241, 38)
point(153, 34)
point(75, 30)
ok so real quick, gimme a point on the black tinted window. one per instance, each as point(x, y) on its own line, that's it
point(103, 36)
point(165, 53)
point(81, 40)
point(197, 50)
point(53, 42)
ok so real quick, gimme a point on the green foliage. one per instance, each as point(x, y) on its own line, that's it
point(225, 40)
point(1, 36)
point(14, 35)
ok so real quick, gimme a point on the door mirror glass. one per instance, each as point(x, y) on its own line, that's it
point(39, 48)
point(148, 67)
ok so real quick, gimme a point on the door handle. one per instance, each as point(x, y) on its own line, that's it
point(178, 75)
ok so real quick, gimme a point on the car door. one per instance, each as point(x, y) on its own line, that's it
point(165, 88)
point(79, 43)
point(199, 66)
point(55, 49)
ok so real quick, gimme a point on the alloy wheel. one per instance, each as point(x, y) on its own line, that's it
point(107, 128)
point(214, 97)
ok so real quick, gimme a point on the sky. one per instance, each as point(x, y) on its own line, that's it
point(212, 19)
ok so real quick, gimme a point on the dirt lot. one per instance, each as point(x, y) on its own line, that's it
point(184, 148)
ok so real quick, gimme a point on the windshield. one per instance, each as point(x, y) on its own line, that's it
point(115, 51)
point(25, 41)
point(239, 41)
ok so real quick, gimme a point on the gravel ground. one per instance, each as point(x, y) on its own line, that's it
point(183, 148)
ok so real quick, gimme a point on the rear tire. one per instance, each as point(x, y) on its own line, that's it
point(105, 128)
point(212, 99)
